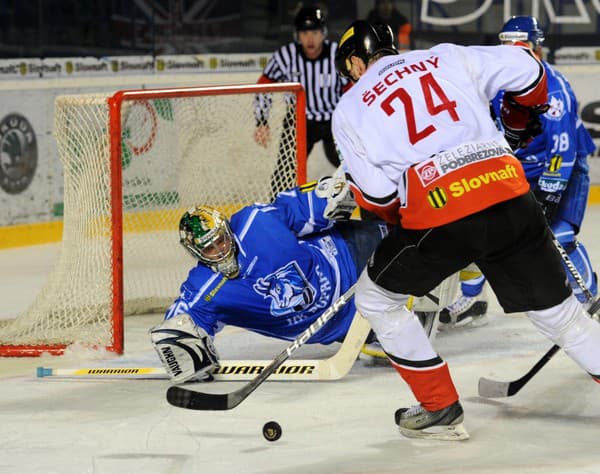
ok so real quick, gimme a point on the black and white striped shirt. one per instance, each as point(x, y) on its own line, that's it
point(322, 83)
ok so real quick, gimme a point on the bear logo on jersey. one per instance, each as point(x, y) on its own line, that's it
point(556, 110)
point(288, 288)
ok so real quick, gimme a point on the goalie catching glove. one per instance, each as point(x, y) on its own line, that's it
point(340, 200)
point(521, 124)
point(186, 350)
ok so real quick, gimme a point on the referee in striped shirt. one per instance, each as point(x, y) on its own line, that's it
point(309, 60)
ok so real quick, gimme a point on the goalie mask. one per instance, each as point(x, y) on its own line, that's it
point(206, 234)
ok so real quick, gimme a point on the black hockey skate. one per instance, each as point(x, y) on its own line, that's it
point(466, 311)
point(445, 424)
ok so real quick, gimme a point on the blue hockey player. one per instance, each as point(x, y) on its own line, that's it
point(555, 163)
point(272, 269)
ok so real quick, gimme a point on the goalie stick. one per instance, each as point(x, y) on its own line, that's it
point(496, 389)
point(332, 368)
point(185, 398)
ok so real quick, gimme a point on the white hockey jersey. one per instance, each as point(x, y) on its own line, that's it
point(420, 122)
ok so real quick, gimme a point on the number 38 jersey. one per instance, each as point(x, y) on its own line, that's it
point(416, 138)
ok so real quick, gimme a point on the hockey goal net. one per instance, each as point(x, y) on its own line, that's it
point(133, 163)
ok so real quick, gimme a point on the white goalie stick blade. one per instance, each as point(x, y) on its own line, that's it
point(332, 368)
point(439, 433)
point(103, 372)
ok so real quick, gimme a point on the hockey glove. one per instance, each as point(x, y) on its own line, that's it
point(521, 124)
point(548, 201)
point(340, 200)
point(186, 350)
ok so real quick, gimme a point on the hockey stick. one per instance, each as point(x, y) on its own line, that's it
point(489, 388)
point(104, 372)
point(496, 389)
point(185, 398)
point(332, 368)
point(595, 303)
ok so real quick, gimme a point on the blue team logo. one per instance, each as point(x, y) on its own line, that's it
point(556, 110)
point(288, 288)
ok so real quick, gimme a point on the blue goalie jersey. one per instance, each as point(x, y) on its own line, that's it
point(293, 266)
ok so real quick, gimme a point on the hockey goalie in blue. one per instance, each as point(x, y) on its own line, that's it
point(272, 269)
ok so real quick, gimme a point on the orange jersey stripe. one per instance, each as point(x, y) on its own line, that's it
point(471, 185)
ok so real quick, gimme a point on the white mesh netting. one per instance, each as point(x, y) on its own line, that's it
point(176, 153)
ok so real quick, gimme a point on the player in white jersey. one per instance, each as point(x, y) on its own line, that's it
point(420, 149)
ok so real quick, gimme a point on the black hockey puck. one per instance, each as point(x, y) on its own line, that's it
point(272, 431)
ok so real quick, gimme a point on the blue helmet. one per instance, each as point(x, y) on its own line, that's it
point(522, 28)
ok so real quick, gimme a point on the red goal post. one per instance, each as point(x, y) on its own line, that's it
point(134, 161)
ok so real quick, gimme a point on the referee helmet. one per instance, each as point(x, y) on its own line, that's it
point(310, 18)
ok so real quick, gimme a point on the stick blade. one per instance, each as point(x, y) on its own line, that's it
point(489, 388)
point(191, 400)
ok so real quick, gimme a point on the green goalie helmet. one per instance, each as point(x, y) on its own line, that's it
point(206, 235)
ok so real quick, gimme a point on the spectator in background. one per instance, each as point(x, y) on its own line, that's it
point(386, 12)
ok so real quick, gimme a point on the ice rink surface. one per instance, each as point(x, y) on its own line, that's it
point(53, 425)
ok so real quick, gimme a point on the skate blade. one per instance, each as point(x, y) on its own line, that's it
point(440, 433)
point(466, 323)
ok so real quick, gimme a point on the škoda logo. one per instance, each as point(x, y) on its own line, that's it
point(18, 153)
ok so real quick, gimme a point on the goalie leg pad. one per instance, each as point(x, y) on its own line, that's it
point(186, 350)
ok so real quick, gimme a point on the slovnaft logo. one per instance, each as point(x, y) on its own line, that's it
point(18, 153)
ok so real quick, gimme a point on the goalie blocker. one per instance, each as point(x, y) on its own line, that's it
point(186, 350)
